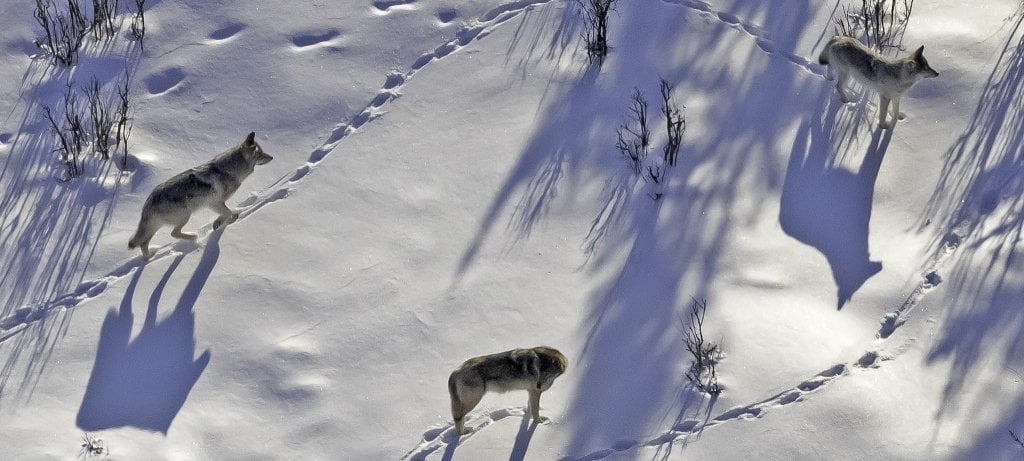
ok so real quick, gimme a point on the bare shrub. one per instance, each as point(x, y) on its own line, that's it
point(880, 24)
point(675, 124)
point(63, 30)
point(1016, 438)
point(92, 446)
point(124, 122)
point(702, 372)
point(634, 137)
point(103, 14)
point(101, 119)
point(70, 134)
point(595, 27)
point(108, 127)
point(138, 25)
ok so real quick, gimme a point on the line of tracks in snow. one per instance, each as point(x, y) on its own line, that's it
point(436, 438)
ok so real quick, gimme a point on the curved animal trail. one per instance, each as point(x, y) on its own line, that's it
point(437, 438)
point(760, 36)
point(168, 79)
point(931, 278)
point(753, 411)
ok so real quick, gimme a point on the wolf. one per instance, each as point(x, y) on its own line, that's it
point(532, 370)
point(889, 77)
point(208, 185)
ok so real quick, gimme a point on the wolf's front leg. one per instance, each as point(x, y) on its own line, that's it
point(535, 406)
point(883, 110)
point(841, 79)
point(227, 215)
point(896, 114)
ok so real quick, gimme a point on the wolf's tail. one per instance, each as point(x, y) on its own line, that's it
point(140, 234)
point(453, 390)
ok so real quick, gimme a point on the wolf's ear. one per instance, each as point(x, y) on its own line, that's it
point(251, 139)
point(920, 51)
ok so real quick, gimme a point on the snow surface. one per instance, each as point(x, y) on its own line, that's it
point(445, 185)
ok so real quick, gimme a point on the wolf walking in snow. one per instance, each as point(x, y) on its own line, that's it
point(532, 370)
point(848, 57)
point(208, 185)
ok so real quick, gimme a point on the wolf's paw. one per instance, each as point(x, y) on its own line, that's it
point(185, 235)
point(222, 220)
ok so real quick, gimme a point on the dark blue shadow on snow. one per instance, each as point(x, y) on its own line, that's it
point(144, 382)
point(828, 206)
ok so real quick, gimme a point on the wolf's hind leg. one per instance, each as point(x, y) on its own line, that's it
point(227, 215)
point(467, 399)
point(177, 233)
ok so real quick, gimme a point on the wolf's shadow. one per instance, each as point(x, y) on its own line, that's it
point(143, 382)
point(829, 207)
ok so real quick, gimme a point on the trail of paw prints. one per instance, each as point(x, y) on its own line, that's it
point(760, 36)
point(690, 427)
point(438, 438)
point(395, 80)
point(930, 279)
point(171, 78)
point(23, 317)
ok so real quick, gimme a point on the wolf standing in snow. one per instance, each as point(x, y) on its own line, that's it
point(848, 57)
point(207, 185)
point(532, 370)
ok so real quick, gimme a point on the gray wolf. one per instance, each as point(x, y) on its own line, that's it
point(208, 185)
point(889, 77)
point(532, 370)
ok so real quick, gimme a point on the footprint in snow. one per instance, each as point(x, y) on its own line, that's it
point(164, 81)
point(226, 32)
point(447, 15)
point(309, 39)
point(385, 6)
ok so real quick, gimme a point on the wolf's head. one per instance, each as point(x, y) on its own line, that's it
point(919, 65)
point(552, 365)
point(254, 152)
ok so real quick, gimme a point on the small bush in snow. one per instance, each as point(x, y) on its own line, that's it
point(107, 120)
point(63, 30)
point(675, 124)
point(92, 446)
point(878, 23)
point(123, 121)
point(103, 14)
point(101, 119)
point(595, 27)
point(138, 26)
point(705, 354)
point(70, 132)
point(634, 137)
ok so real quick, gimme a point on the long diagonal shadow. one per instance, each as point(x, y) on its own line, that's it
point(143, 382)
point(828, 206)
